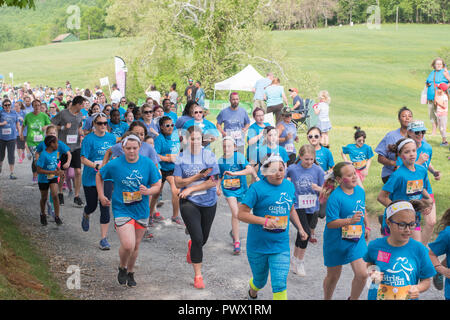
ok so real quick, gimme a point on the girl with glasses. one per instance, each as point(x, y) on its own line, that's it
point(400, 267)
point(209, 130)
point(408, 182)
point(360, 155)
point(147, 120)
point(93, 149)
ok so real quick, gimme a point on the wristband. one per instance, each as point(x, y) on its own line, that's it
point(367, 228)
point(265, 223)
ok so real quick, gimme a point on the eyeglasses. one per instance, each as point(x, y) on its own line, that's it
point(147, 112)
point(402, 225)
point(313, 136)
point(169, 125)
point(102, 123)
point(420, 132)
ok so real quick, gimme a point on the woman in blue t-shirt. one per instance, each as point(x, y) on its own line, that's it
point(360, 155)
point(196, 174)
point(399, 266)
point(135, 179)
point(116, 126)
point(234, 169)
point(255, 136)
point(9, 130)
point(308, 179)
point(268, 207)
point(408, 182)
point(345, 231)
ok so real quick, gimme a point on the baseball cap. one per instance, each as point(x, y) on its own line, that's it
point(286, 111)
point(293, 90)
point(416, 126)
point(443, 86)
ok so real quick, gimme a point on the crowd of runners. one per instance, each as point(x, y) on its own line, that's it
point(120, 155)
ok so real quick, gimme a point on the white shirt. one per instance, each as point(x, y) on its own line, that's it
point(324, 109)
point(116, 95)
point(155, 95)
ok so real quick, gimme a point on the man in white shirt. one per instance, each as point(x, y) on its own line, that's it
point(116, 94)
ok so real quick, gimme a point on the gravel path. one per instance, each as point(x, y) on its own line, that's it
point(161, 270)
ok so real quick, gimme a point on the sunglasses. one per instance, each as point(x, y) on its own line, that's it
point(7, 105)
point(147, 112)
point(420, 132)
point(313, 136)
point(169, 125)
point(102, 123)
point(196, 112)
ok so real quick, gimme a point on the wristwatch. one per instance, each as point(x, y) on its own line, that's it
point(96, 166)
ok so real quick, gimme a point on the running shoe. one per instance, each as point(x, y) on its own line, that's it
point(20, 160)
point(148, 235)
point(249, 296)
point(198, 282)
point(177, 220)
point(122, 277)
point(157, 217)
point(130, 279)
point(237, 248)
point(104, 245)
point(438, 281)
point(43, 219)
point(58, 221)
point(85, 222)
point(78, 202)
point(12, 177)
point(298, 267)
point(444, 144)
point(188, 255)
point(61, 199)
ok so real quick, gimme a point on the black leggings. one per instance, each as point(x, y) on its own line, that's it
point(305, 219)
point(198, 221)
point(11, 146)
point(92, 200)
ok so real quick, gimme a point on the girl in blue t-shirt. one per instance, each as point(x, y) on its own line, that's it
point(48, 173)
point(360, 155)
point(308, 179)
point(345, 231)
point(234, 169)
point(268, 207)
point(116, 126)
point(408, 182)
point(270, 147)
point(441, 246)
point(400, 267)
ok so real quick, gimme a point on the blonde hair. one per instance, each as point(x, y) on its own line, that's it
point(50, 127)
point(325, 96)
point(307, 149)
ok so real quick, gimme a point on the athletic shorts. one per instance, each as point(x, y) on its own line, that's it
point(76, 159)
point(121, 221)
point(46, 185)
point(166, 174)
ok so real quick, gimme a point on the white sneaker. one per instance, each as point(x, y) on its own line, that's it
point(298, 267)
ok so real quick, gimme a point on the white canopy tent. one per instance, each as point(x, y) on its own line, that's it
point(243, 81)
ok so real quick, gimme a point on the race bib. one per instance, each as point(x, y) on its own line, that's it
point(72, 138)
point(6, 131)
point(307, 201)
point(50, 176)
point(360, 164)
point(289, 147)
point(236, 134)
point(386, 292)
point(352, 232)
point(131, 197)
point(281, 224)
point(38, 138)
point(232, 184)
point(414, 187)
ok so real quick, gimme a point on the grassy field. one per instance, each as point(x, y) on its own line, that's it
point(370, 75)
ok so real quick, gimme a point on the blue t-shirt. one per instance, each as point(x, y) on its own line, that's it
point(274, 95)
point(268, 200)
point(402, 267)
point(146, 150)
point(9, 131)
point(165, 145)
point(85, 114)
point(289, 145)
point(324, 158)
point(234, 121)
point(172, 115)
point(382, 149)
point(440, 247)
point(302, 178)
point(424, 148)
point(47, 161)
point(127, 177)
point(200, 97)
point(94, 148)
point(358, 156)
point(252, 150)
point(405, 184)
point(264, 152)
point(153, 126)
point(188, 165)
point(435, 79)
point(181, 121)
point(260, 86)
point(208, 128)
point(233, 186)
point(62, 148)
point(338, 251)
point(118, 129)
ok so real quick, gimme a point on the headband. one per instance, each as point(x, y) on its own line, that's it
point(402, 144)
point(98, 114)
point(268, 161)
point(398, 206)
point(130, 137)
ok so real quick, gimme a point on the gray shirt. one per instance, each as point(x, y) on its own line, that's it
point(69, 136)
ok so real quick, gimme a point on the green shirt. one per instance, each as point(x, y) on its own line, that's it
point(35, 125)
